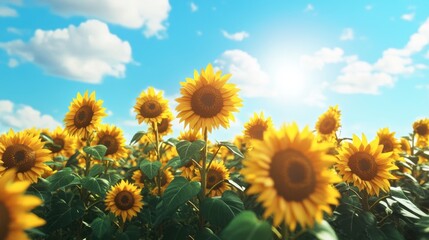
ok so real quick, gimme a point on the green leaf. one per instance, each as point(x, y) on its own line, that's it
point(232, 199)
point(172, 141)
point(175, 163)
point(234, 149)
point(150, 169)
point(423, 224)
point(187, 149)
point(112, 178)
point(41, 189)
point(97, 186)
point(61, 178)
point(247, 226)
point(137, 136)
point(46, 138)
point(133, 232)
point(206, 234)
point(101, 227)
point(178, 192)
point(399, 196)
point(392, 232)
point(216, 211)
point(323, 231)
point(63, 214)
point(176, 231)
point(97, 151)
point(96, 170)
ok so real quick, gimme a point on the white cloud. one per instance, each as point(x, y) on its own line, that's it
point(148, 14)
point(84, 53)
point(309, 8)
point(23, 116)
point(347, 34)
point(238, 36)
point(322, 57)
point(419, 40)
point(13, 30)
point(394, 61)
point(246, 72)
point(408, 16)
point(7, 12)
point(368, 7)
point(194, 7)
point(13, 63)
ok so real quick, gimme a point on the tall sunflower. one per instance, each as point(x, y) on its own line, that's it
point(165, 127)
point(421, 128)
point(85, 113)
point(25, 153)
point(139, 178)
point(290, 172)
point(190, 135)
point(207, 100)
point(151, 106)
point(65, 144)
point(113, 138)
point(216, 176)
point(257, 125)
point(405, 146)
point(365, 165)
point(390, 143)
point(15, 208)
point(124, 200)
point(328, 124)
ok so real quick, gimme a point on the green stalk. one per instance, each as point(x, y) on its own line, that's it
point(158, 157)
point(364, 201)
point(203, 168)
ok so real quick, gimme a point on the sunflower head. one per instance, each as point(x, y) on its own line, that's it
point(215, 178)
point(25, 153)
point(64, 143)
point(405, 146)
point(389, 142)
point(190, 135)
point(207, 100)
point(85, 113)
point(256, 126)
point(164, 127)
point(328, 124)
point(289, 170)
point(113, 138)
point(151, 106)
point(15, 208)
point(139, 178)
point(124, 200)
point(421, 128)
point(166, 177)
point(365, 165)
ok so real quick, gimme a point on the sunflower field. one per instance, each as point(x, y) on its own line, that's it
point(288, 182)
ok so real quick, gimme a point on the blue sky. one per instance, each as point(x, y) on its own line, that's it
point(292, 59)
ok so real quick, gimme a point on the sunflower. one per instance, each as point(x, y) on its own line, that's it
point(390, 143)
point(190, 135)
point(215, 176)
point(405, 146)
point(165, 127)
point(290, 172)
point(65, 144)
point(239, 142)
point(15, 207)
point(24, 152)
point(151, 106)
point(188, 170)
point(207, 101)
point(421, 128)
point(166, 178)
point(365, 165)
point(256, 126)
point(113, 138)
point(139, 178)
point(328, 124)
point(84, 114)
point(124, 200)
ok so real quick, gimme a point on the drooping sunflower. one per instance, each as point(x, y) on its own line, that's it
point(165, 127)
point(85, 113)
point(390, 143)
point(207, 100)
point(25, 153)
point(124, 200)
point(188, 170)
point(113, 138)
point(405, 146)
point(289, 171)
point(256, 126)
point(65, 144)
point(151, 106)
point(328, 124)
point(365, 165)
point(166, 178)
point(15, 208)
point(215, 178)
point(139, 178)
point(190, 135)
point(421, 128)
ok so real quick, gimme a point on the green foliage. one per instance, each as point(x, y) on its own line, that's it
point(247, 226)
point(137, 136)
point(97, 151)
point(150, 169)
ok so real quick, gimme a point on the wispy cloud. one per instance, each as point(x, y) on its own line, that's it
point(309, 8)
point(7, 12)
point(347, 34)
point(194, 7)
point(368, 7)
point(408, 16)
point(238, 36)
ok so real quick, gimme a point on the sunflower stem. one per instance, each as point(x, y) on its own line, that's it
point(285, 231)
point(378, 200)
point(211, 160)
point(203, 168)
point(364, 201)
point(87, 156)
point(158, 157)
point(214, 186)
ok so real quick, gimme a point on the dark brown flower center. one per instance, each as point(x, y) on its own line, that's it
point(257, 131)
point(60, 145)
point(422, 129)
point(293, 175)
point(20, 156)
point(387, 145)
point(124, 200)
point(163, 125)
point(83, 116)
point(151, 109)
point(363, 165)
point(110, 142)
point(214, 177)
point(207, 101)
point(327, 126)
point(4, 221)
